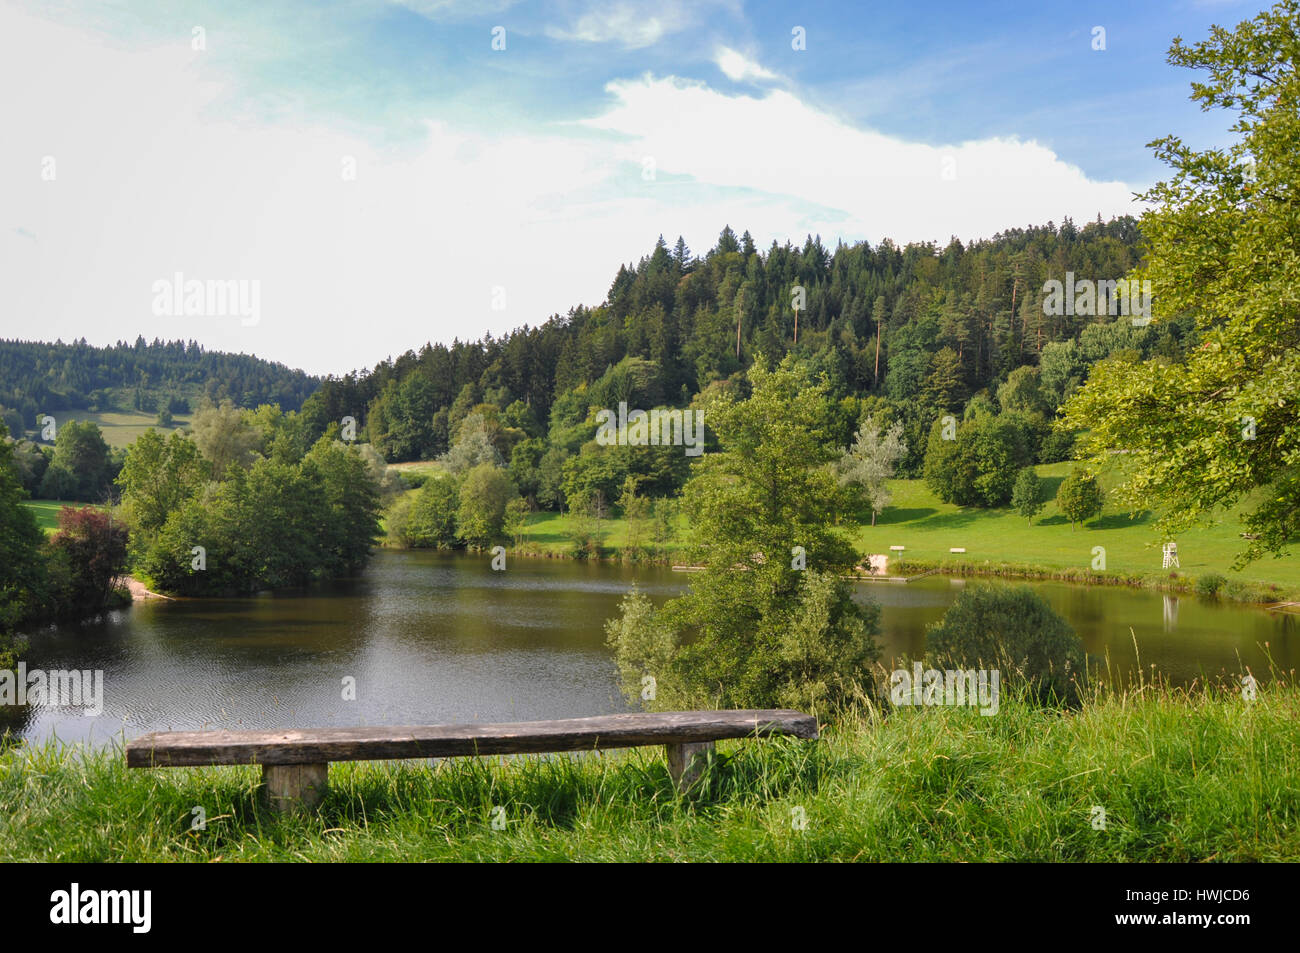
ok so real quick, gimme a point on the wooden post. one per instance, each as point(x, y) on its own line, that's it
point(295, 788)
point(686, 761)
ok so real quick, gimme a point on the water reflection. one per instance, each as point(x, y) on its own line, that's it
point(435, 637)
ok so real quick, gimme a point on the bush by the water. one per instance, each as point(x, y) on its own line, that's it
point(1210, 584)
point(427, 519)
point(69, 576)
point(1012, 629)
point(768, 622)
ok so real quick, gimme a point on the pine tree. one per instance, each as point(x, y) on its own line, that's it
point(682, 255)
point(944, 389)
point(878, 313)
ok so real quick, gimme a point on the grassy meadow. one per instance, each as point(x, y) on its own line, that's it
point(120, 428)
point(1181, 776)
point(47, 512)
point(928, 528)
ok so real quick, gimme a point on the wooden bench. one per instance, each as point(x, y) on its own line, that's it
point(295, 764)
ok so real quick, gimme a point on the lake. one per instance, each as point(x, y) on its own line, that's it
point(438, 637)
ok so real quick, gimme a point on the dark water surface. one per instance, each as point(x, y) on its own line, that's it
point(433, 637)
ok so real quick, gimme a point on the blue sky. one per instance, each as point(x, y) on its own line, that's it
point(494, 187)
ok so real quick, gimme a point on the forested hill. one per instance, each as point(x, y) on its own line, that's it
point(40, 378)
point(951, 322)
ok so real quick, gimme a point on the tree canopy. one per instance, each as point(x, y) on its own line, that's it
point(1218, 425)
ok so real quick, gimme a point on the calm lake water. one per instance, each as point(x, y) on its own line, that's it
point(433, 637)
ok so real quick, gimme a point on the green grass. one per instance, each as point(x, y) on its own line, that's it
point(1181, 776)
point(47, 512)
point(928, 528)
point(1000, 540)
point(418, 466)
point(120, 429)
point(552, 533)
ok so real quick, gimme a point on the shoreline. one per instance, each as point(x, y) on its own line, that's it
point(1263, 595)
point(140, 594)
point(1260, 594)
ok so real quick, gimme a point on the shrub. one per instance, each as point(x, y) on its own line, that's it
point(1237, 590)
point(87, 556)
point(483, 497)
point(1012, 629)
point(1057, 445)
point(811, 650)
point(516, 520)
point(643, 647)
point(1079, 497)
point(1210, 584)
point(586, 532)
point(430, 518)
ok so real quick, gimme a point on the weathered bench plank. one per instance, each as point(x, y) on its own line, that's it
point(322, 745)
point(295, 764)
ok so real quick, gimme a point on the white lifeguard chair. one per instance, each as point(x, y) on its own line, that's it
point(1171, 556)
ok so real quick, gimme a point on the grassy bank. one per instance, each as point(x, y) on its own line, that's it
point(1236, 590)
point(1181, 777)
point(1000, 542)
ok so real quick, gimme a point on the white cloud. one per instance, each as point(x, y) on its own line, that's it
point(738, 67)
point(633, 24)
point(151, 180)
point(779, 145)
point(454, 9)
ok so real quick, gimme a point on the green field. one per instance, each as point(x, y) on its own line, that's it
point(551, 532)
point(47, 512)
point(928, 528)
point(418, 466)
point(120, 429)
point(1205, 777)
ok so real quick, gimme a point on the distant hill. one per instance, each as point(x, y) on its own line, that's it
point(912, 333)
point(38, 378)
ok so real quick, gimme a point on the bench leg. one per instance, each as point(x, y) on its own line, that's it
point(294, 788)
point(686, 761)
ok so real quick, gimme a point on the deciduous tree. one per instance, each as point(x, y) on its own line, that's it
point(1219, 425)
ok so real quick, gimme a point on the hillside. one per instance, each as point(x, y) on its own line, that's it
point(924, 327)
point(137, 380)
